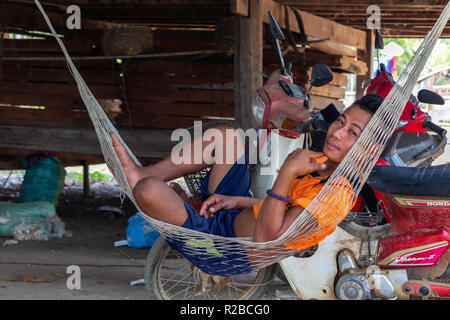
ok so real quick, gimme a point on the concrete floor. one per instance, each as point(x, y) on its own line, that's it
point(106, 271)
point(38, 269)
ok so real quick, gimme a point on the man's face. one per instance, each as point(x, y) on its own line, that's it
point(344, 132)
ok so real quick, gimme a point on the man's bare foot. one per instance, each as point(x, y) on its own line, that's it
point(183, 195)
point(133, 172)
point(179, 190)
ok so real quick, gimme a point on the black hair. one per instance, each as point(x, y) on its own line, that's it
point(370, 102)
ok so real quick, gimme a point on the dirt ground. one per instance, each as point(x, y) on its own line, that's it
point(38, 269)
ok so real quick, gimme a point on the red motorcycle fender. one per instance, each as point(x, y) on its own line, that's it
point(418, 248)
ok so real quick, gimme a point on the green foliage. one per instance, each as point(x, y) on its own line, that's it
point(440, 56)
point(92, 175)
point(97, 175)
point(441, 81)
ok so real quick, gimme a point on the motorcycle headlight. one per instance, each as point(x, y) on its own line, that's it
point(258, 109)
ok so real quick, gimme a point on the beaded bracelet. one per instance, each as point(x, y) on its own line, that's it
point(276, 196)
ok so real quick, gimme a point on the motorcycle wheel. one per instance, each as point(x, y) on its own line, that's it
point(169, 276)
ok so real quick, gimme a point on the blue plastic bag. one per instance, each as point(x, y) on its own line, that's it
point(140, 233)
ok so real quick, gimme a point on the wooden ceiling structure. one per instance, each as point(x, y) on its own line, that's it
point(203, 64)
point(399, 18)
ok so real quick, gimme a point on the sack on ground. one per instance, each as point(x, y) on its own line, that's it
point(43, 180)
point(30, 220)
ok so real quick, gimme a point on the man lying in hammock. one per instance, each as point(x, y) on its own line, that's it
point(228, 209)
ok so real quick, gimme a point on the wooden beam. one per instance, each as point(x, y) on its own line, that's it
point(13, 158)
point(8, 162)
point(80, 118)
point(248, 56)
point(85, 177)
point(17, 73)
point(239, 7)
point(342, 64)
point(315, 26)
point(339, 63)
point(31, 18)
point(100, 3)
point(88, 41)
point(134, 93)
point(367, 57)
point(356, 3)
point(137, 108)
point(145, 67)
point(143, 143)
point(320, 103)
point(24, 47)
point(333, 48)
point(329, 91)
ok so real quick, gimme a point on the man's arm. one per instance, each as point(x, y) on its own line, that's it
point(246, 202)
point(218, 202)
point(274, 217)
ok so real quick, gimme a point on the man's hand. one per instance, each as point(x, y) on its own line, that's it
point(217, 202)
point(183, 195)
point(301, 161)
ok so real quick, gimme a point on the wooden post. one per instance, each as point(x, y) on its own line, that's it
point(248, 61)
point(85, 177)
point(367, 56)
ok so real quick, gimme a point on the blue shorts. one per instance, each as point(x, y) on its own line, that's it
point(203, 252)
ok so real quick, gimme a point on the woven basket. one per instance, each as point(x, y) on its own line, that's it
point(127, 41)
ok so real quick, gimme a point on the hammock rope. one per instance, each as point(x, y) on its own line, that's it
point(227, 256)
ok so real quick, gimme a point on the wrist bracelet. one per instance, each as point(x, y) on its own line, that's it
point(276, 196)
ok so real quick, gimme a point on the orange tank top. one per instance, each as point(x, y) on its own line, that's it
point(302, 191)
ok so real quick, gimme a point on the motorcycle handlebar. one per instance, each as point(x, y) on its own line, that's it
point(435, 128)
point(317, 123)
point(440, 147)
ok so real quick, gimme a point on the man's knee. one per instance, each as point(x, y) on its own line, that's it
point(144, 190)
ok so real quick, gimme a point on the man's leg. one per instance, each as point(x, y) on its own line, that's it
point(166, 170)
point(159, 201)
point(154, 196)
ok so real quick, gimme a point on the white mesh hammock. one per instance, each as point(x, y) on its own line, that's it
point(226, 256)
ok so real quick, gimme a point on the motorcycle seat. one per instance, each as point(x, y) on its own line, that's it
point(416, 181)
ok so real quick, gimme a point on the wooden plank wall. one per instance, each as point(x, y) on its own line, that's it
point(160, 94)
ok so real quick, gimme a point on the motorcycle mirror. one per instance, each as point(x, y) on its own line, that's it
point(321, 75)
point(277, 35)
point(378, 40)
point(428, 96)
point(275, 29)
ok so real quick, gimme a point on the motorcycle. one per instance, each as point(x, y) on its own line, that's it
point(394, 244)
